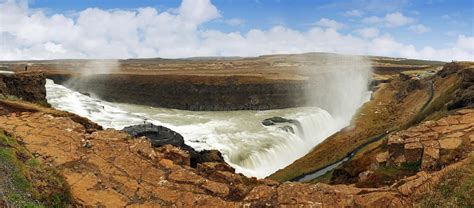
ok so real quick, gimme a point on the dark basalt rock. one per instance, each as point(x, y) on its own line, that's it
point(288, 129)
point(160, 135)
point(210, 156)
point(408, 85)
point(280, 120)
point(26, 86)
point(181, 93)
point(273, 120)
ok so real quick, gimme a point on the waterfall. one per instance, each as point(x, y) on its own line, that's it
point(316, 126)
point(285, 148)
point(247, 145)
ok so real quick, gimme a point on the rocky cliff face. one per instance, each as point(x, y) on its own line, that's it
point(189, 93)
point(26, 86)
point(432, 144)
point(465, 94)
point(426, 148)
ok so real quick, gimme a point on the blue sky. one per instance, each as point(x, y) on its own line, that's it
point(435, 29)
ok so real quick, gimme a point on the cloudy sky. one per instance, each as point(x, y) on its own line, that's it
point(52, 29)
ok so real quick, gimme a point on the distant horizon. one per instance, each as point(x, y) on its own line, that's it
point(229, 57)
point(57, 29)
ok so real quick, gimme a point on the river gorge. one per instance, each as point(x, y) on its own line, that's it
point(250, 147)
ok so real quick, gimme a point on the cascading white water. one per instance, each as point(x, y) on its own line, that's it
point(247, 145)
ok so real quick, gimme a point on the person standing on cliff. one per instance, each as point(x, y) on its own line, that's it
point(26, 67)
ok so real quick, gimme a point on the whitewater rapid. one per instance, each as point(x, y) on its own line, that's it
point(247, 145)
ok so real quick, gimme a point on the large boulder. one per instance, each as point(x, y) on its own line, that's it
point(160, 136)
point(284, 124)
point(274, 120)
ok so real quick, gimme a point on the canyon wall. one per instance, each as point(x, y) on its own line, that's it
point(26, 86)
point(190, 92)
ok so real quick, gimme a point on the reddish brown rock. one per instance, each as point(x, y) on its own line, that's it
point(110, 134)
point(452, 120)
point(380, 199)
point(442, 129)
point(262, 193)
point(395, 139)
point(466, 111)
point(400, 160)
point(435, 144)
point(413, 152)
point(363, 176)
point(430, 143)
point(184, 176)
point(216, 188)
point(312, 195)
point(442, 122)
point(382, 157)
point(210, 167)
point(117, 172)
point(430, 158)
point(455, 135)
point(468, 119)
point(175, 154)
point(450, 143)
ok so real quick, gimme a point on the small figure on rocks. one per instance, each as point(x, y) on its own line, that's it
point(26, 67)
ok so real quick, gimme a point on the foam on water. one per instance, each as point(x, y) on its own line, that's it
point(247, 145)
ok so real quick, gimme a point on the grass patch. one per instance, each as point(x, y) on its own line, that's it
point(411, 166)
point(389, 171)
point(455, 190)
point(8, 97)
point(413, 62)
point(25, 182)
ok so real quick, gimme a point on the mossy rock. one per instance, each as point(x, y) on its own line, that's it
point(26, 182)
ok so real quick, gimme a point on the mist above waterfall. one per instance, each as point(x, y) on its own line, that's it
point(339, 85)
point(86, 69)
point(91, 67)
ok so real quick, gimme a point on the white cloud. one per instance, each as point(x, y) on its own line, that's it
point(395, 19)
point(451, 33)
point(198, 11)
point(234, 21)
point(465, 42)
point(420, 29)
point(329, 23)
point(125, 33)
point(369, 32)
point(353, 13)
point(372, 20)
point(445, 16)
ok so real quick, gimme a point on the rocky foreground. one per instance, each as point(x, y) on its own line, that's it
point(109, 168)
